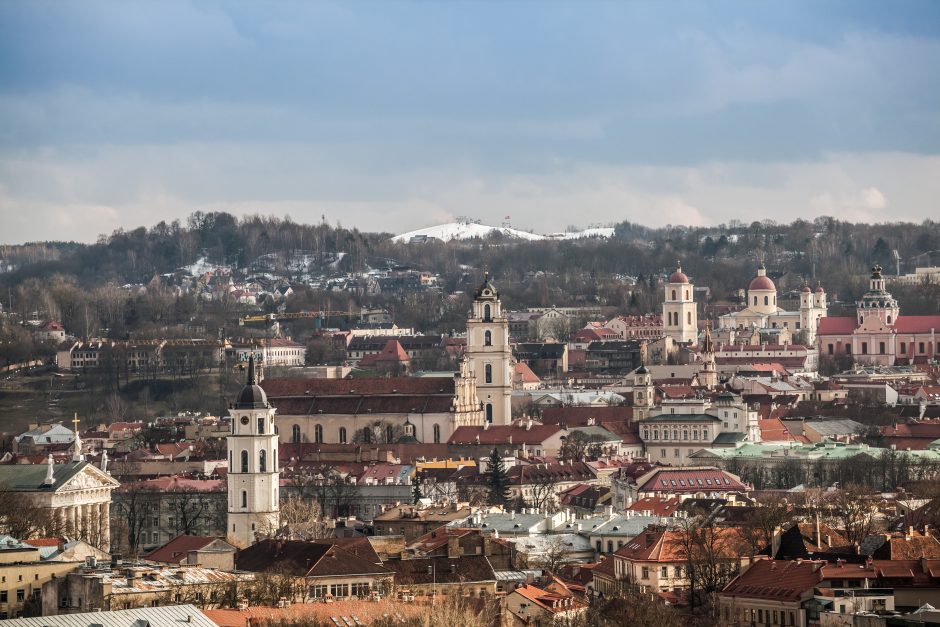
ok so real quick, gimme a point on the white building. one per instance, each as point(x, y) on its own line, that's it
point(489, 354)
point(680, 318)
point(253, 476)
point(762, 312)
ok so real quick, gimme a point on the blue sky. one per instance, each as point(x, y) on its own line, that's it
point(395, 115)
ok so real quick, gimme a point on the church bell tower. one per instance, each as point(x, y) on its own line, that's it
point(489, 354)
point(253, 477)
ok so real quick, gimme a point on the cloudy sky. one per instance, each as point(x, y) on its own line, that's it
point(395, 115)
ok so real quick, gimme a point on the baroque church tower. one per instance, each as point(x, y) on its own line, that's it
point(680, 318)
point(489, 354)
point(253, 477)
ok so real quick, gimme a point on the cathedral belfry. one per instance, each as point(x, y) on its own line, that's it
point(253, 475)
point(489, 354)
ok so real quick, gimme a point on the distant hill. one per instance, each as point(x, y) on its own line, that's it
point(469, 230)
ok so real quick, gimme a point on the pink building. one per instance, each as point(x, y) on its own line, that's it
point(878, 334)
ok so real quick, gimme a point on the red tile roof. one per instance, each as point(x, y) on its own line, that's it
point(776, 580)
point(917, 324)
point(836, 325)
point(525, 373)
point(277, 388)
point(656, 505)
point(689, 480)
point(500, 434)
point(176, 550)
point(581, 416)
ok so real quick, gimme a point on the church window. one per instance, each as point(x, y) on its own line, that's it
point(689, 317)
point(904, 348)
point(766, 300)
point(261, 426)
point(487, 338)
point(437, 433)
point(755, 301)
point(797, 326)
point(687, 294)
point(244, 461)
point(295, 434)
point(848, 349)
point(486, 313)
point(831, 349)
point(920, 348)
point(366, 434)
point(673, 294)
point(389, 435)
point(488, 373)
point(262, 461)
point(489, 412)
point(342, 435)
point(231, 460)
point(881, 348)
point(244, 499)
point(274, 460)
point(889, 319)
point(864, 348)
point(318, 433)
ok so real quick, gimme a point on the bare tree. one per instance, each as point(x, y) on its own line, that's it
point(769, 514)
point(854, 512)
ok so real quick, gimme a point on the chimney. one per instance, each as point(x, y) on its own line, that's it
point(818, 537)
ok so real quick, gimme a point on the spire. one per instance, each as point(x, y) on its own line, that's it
point(251, 371)
point(50, 472)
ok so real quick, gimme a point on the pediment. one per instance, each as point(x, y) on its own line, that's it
point(87, 478)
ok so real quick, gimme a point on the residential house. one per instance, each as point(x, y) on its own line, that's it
point(333, 569)
point(206, 551)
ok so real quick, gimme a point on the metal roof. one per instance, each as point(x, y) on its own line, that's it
point(141, 617)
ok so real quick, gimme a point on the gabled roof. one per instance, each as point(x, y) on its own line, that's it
point(320, 558)
point(500, 434)
point(776, 580)
point(689, 479)
point(31, 477)
point(177, 549)
point(441, 570)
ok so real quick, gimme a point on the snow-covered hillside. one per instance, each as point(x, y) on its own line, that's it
point(464, 230)
point(467, 230)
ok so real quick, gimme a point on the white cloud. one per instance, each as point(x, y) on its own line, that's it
point(80, 193)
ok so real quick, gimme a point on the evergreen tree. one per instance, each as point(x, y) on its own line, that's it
point(416, 490)
point(498, 483)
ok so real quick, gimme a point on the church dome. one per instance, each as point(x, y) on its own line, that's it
point(820, 290)
point(678, 276)
point(251, 396)
point(761, 283)
point(806, 289)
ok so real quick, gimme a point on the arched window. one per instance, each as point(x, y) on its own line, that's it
point(274, 460)
point(437, 434)
point(261, 426)
point(244, 499)
point(689, 316)
point(244, 461)
point(342, 435)
point(318, 434)
point(263, 461)
point(766, 300)
point(487, 338)
point(295, 434)
point(489, 412)
point(486, 313)
point(389, 434)
point(687, 294)
point(673, 294)
point(488, 373)
point(889, 319)
point(755, 300)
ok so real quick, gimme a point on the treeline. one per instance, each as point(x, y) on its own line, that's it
point(623, 272)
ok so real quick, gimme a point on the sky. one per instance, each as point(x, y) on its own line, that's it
point(395, 115)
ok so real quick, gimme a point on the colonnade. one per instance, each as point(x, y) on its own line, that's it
point(80, 520)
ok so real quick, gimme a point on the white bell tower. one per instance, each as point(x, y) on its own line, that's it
point(680, 318)
point(489, 354)
point(253, 476)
